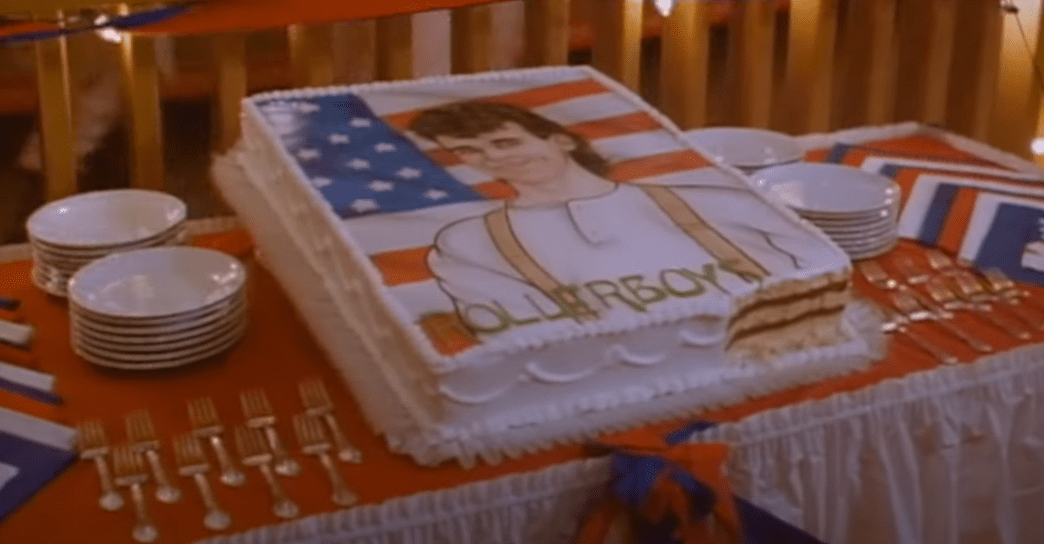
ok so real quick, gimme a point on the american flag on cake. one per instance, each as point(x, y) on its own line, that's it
point(394, 190)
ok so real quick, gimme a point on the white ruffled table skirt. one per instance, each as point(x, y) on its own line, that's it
point(948, 456)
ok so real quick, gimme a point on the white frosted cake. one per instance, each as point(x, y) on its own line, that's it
point(530, 257)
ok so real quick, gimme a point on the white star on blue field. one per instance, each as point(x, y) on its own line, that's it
point(359, 163)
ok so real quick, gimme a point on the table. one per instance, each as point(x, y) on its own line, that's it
point(792, 448)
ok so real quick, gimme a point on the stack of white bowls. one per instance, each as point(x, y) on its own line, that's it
point(67, 234)
point(747, 149)
point(858, 210)
point(157, 308)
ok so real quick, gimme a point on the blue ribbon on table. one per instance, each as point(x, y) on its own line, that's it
point(638, 476)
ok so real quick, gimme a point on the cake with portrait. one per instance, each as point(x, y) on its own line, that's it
point(532, 257)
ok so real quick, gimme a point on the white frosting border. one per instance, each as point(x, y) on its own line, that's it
point(521, 341)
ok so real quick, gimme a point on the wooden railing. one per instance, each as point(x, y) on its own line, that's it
point(962, 64)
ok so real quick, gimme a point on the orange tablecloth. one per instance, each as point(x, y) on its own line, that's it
point(275, 354)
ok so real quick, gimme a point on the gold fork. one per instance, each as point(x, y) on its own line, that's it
point(94, 445)
point(312, 437)
point(207, 425)
point(252, 449)
point(192, 463)
point(915, 308)
point(131, 473)
point(318, 404)
point(949, 298)
point(971, 288)
point(142, 437)
point(876, 275)
point(259, 415)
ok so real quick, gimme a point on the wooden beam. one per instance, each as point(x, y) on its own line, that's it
point(471, 39)
point(394, 47)
point(547, 32)
point(685, 64)
point(927, 31)
point(142, 83)
point(56, 125)
point(354, 51)
point(1017, 102)
point(617, 48)
point(311, 54)
point(229, 54)
point(976, 59)
point(810, 64)
point(752, 30)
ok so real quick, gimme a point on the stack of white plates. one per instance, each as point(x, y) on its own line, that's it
point(67, 234)
point(747, 149)
point(157, 308)
point(858, 210)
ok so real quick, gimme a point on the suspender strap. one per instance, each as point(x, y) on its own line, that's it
point(709, 239)
point(500, 231)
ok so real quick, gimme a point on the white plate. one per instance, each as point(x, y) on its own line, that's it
point(52, 285)
point(190, 353)
point(156, 282)
point(221, 307)
point(747, 147)
point(148, 331)
point(156, 365)
point(865, 233)
point(157, 344)
point(829, 189)
point(176, 236)
point(871, 253)
point(103, 218)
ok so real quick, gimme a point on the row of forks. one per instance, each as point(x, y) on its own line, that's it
point(951, 286)
point(257, 441)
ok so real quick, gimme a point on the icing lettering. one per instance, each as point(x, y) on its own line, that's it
point(635, 292)
point(502, 322)
point(710, 275)
point(644, 293)
point(512, 319)
point(696, 290)
point(562, 312)
point(568, 297)
point(611, 290)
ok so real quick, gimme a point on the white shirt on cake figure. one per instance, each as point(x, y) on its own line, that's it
point(576, 246)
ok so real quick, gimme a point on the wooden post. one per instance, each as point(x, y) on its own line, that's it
point(976, 59)
point(618, 40)
point(866, 78)
point(229, 54)
point(394, 44)
point(353, 51)
point(143, 96)
point(471, 39)
point(752, 30)
point(684, 64)
point(547, 32)
point(927, 30)
point(311, 54)
point(810, 64)
point(1017, 102)
point(56, 127)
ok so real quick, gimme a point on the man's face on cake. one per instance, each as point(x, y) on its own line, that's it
point(514, 154)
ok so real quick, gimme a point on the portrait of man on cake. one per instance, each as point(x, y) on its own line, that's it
point(575, 245)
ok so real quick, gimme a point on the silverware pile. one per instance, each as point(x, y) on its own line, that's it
point(938, 290)
point(137, 462)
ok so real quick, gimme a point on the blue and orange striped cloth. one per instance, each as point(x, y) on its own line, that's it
point(666, 490)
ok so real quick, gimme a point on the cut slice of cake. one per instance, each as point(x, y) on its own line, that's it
point(531, 256)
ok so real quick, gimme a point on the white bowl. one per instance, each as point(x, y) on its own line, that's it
point(156, 282)
point(747, 148)
point(830, 189)
point(105, 218)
